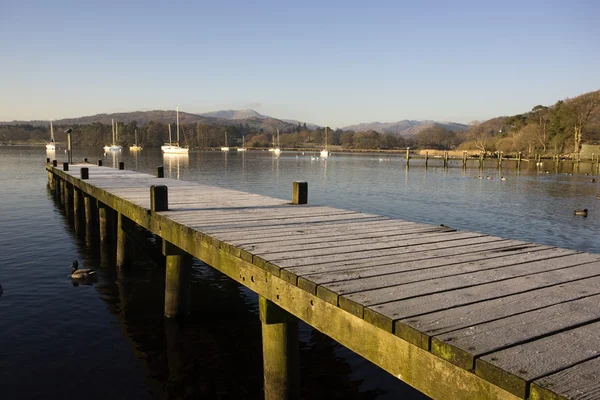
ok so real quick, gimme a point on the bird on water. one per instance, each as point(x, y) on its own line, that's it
point(582, 213)
point(83, 273)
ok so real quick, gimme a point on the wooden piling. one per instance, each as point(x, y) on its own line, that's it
point(280, 351)
point(85, 173)
point(407, 156)
point(445, 158)
point(124, 244)
point(89, 206)
point(300, 193)
point(54, 163)
point(464, 159)
point(481, 160)
point(426, 158)
point(47, 160)
point(65, 166)
point(160, 172)
point(99, 163)
point(121, 165)
point(78, 210)
point(159, 198)
point(177, 281)
point(103, 221)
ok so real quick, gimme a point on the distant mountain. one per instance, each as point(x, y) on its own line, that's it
point(405, 128)
point(268, 124)
point(234, 114)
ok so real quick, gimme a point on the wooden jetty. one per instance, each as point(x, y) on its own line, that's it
point(455, 314)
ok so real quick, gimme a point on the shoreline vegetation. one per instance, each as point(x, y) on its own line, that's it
point(563, 130)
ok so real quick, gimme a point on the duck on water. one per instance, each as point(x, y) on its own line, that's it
point(83, 273)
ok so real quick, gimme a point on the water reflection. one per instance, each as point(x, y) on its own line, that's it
point(175, 163)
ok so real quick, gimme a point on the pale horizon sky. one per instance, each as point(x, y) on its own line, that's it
point(332, 63)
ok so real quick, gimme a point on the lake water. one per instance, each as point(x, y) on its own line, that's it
point(110, 340)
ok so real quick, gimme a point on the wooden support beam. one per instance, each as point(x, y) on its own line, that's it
point(160, 172)
point(65, 166)
point(91, 212)
point(300, 193)
point(280, 351)
point(124, 244)
point(121, 165)
point(85, 173)
point(55, 163)
point(99, 163)
point(178, 278)
point(103, 221)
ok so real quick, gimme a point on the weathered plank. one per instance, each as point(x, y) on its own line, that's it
point(580, 382)
point(461, 347)
point(419, 330)
point(384, 315)
point(514, 368)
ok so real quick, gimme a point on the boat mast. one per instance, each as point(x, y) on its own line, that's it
point(170, 134)
point(116, 133)
point(225, 137)
point(177, 124)
point(112, 125)
point(277, 137)
point(51, 132)
point(325, 138)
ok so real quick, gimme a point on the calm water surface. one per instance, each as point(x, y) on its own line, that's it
point(110, 340)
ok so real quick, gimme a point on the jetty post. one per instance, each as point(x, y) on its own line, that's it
point(103, 221)
point(426, 158)
point(445, 158)
point(407, 155)
point(280, 351)
point(124, 243)
point(300, 193)
point(481, 160)
point(464, 159)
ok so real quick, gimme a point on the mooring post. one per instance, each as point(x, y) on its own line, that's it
point(407, 156)
point(445, 158)
point(300, 193)
point(85, 160)
point(280, 351)
point(85, 173)
point(481, 160)
point(54, 163)
point(103, 221)
point(519, 160)
point(121, 165)
point(177, 281)
point(159, 198)
point(426, 158)
point(464, 159)
point(124, 243)
point(47, 160)
point(65, 166)
point(160, 172)
point(99, 163)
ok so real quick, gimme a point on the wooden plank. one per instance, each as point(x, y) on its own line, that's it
point(409, 240)
point(581, 382)
point(419, 330)
point(461, 347)
point(384, 315)
point(400, 274)
point(394, 253)
point(513, 369)
point(357, 300)
point(343, 244)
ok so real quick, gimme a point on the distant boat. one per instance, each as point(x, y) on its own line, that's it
point(114, 146)
point(225, 148)
point(135, 147)
point(325, 152)
point(243, 148)
point(277, 150)
point(174, 148)
point(51, 145)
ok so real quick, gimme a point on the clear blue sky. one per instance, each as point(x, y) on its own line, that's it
point(327, 62)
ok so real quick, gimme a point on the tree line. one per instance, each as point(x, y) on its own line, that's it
point(561, 128)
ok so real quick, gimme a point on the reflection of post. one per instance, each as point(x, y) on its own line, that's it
point(173, 349)
point(280, 351)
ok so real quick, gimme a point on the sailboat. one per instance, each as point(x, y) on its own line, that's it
point(277, 150)
point(114, 146)
point(325, 153)
point(135, 146)
point(174, 148)
point(243, 148)
point(51, 145)
point(225, 148)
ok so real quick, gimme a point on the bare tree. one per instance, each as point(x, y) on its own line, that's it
point(580, 109)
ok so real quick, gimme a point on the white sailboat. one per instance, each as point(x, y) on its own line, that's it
point(277, 150)
point(135, 146)
point(51, 146)
point(174, 148)
point(114, 146)
point(225, 148)
point(243, 148)
point(325, 152)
